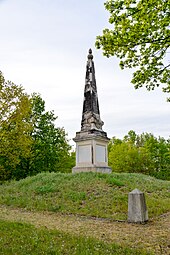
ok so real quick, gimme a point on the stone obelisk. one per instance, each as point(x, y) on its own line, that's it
point(91, 141)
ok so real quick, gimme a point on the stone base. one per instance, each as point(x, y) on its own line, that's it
point(94, 169)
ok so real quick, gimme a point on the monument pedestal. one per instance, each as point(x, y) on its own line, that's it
point(91, 152)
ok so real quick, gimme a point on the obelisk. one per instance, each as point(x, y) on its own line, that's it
point(91, 141)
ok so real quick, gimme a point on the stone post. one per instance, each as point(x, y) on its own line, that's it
point(137, 210)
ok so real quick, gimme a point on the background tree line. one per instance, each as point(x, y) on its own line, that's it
point(140, 154)
point(29, 141)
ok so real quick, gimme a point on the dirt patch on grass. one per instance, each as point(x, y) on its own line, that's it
point(153, 236)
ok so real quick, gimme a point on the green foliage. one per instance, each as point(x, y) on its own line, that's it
point(50, 148)
point(141, 154)
point(22, 239)
point(29, 141)
point(91, 194)
point(15, 140)
point(140, 38)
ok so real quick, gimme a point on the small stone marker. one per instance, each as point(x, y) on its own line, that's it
point(137, 210)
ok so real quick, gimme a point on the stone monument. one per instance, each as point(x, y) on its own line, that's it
point(91, 141)
point(137, 209)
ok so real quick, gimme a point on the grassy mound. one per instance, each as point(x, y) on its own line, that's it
point(90, 194)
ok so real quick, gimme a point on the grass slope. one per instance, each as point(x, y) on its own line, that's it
point(89, 194)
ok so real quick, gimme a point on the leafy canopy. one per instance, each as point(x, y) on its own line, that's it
point(29, 140)
point(140, 39)
point(141, 154)
point(50, 146)
point(15, 139)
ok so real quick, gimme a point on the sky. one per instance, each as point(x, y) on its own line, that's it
point(44, 46)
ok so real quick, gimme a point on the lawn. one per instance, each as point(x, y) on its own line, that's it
point(83, 214)
point(25, 239)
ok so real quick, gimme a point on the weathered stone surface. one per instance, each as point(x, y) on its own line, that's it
point(137, 209)
point(91, 114)
point(85, 135)
point(91, 141)
point(104, 170)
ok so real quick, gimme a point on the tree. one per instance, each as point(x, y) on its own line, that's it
point(141, 39)
point(126, 156)
point(15, 140)
point(50, 148)
point(159, 153)
point(140, 153)
point(29, 141)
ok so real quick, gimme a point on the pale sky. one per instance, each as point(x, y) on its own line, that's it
point(44, 46)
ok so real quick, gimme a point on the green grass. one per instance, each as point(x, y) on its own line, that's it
point(90, 194)
point(25, 239)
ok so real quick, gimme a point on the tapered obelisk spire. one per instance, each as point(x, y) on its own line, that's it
point(91, 114)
